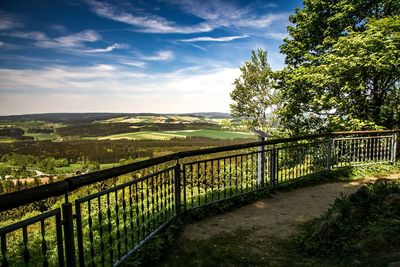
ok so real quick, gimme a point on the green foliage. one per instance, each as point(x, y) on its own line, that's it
point(360, 227)
point(343, 71)
point(255, 97)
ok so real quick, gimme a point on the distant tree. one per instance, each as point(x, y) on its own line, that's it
point(343, 68)
point(255, 97)
point(226, 124)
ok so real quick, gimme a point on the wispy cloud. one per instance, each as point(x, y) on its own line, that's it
point(8, 21)
point(143, 22)
point(213, 39)
point(137, 64)
point(108, 48)
point(159, 56)
point(222, 13)
point(35, 35)
point(71, 41)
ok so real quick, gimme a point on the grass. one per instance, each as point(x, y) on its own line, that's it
point(41, 136)
point(167, 135)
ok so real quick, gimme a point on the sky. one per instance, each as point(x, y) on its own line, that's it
point(161, 56)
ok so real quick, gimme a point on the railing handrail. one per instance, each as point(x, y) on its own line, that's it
point(30, 195)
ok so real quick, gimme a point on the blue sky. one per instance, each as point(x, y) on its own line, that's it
point(131, 56)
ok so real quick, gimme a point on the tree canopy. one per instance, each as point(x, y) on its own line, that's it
point(342, 66)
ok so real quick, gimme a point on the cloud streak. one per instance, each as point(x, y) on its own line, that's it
point(143, 22)
point(213, 39)
point(34, 35)
point(108, 48)
point(159, 56)
point(74, 40)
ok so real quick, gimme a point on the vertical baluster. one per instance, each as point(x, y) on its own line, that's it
point(212, 180)
point(91, 246)
point(26, 254)
point(241, 174)
point(246, 172)
point(218, 170)
point(44, 244)
point(117, 224)
point(4, 262)
point(191, 185)
point(162, 198)
point(184, 186)
point(139, 234)
point(205, 182)
point(224, 180)
point(157, 200)
point(110, 239)
point(148, 226)
point(172, 192)
point(101, 233)
point(230, 176)
point(131, 227)
point(198, 184)
point(236, 175)
point(153, 219)
point(124, 215)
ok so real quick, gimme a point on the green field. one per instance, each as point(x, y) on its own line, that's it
point(41, 136)
point(167, 135)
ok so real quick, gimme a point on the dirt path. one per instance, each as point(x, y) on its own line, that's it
point(277, 215)
point(259, 234)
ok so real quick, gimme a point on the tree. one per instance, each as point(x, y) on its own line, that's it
point(321, 22)
point(344, 73)
point(255, 97)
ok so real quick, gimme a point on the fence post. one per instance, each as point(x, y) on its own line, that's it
point(260, 163)
point(69, 234)
point(394, 148)
point(177, 185)
point(329, 154)
point(273, 168)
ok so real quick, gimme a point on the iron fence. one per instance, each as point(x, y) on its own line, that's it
point(117, 210)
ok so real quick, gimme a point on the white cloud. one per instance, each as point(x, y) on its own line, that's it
point(159, 56)
point(8, 21)
point(213, 39)
point(143, 22)
point(71, 41)
point(108, 48)
point(35, 35)
point(114, 89)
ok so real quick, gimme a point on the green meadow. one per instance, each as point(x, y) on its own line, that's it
point(167, 135)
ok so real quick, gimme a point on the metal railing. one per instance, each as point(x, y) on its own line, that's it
point(107, 216)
